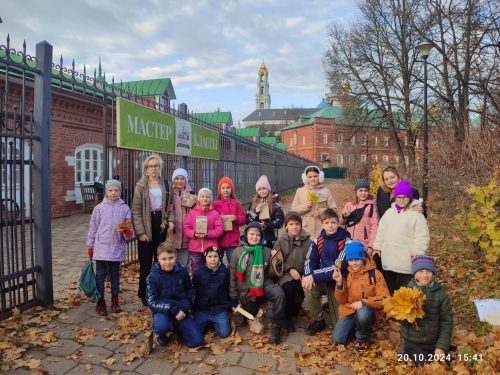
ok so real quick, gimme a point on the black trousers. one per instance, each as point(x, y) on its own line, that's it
point(294, 297)
point(147, 254)
point(275, 294)
point(396, 280)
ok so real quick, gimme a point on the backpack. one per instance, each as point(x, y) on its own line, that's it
point(356, 215)
point(371, 274)
point(340, 245)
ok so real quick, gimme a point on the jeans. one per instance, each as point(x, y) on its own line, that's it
point(313, 302)
point(221, 322)
point(196, 261)
point(189, 331)
point(229, 253)
point(358, 324)
point(102, 268)
point(147, 255)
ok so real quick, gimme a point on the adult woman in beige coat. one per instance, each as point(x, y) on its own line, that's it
point(152, 204)
point(313, 179)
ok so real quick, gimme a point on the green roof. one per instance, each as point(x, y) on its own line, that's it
point(248, 132)
point(281, 146)
point(335, 112)
point(148, 87)
point(269, 140)
point(215, 117)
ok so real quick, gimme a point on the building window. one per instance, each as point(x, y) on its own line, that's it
point(325, 138)
point(88, 164)
point(396, 159)
point(386, 141)
point(385, 158)
point(363, 140)
point(303, 139)
point(351, 159)
point(353, 140)
point(340, 159)
point(325, 157)
point(291, 141)
point(407, 160)
point(295, 139)
point(406, 140)
point(261, 105)
point(374, 158)
point(363, 158)
point(375, 140)
point(261, 90)
point(340, 139)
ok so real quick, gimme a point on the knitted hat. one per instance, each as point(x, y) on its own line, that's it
point(362, 183)
point(354, 250)
point(253, 224)
point(180, 172)
point(422, 262)
point(403, 188)
point(225, 180)
point(205, 190)
point(262, 182)
point(292, 215)
point(114, 183)
point(209, 250)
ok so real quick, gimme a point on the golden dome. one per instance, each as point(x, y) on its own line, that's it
point(263, 69)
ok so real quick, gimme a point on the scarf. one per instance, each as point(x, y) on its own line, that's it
point(256, 280)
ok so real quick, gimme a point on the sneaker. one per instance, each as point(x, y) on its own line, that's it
point(360, 345)
point(275, 334)
point(315, 327)
point(160, 340)
point(100, 308)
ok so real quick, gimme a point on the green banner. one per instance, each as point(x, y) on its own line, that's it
point(144, 128)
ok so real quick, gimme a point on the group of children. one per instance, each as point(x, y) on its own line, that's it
point(340, 263)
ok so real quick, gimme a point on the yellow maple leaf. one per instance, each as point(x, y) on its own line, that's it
point(109, 361)
point(406, 304)
point(313, 197)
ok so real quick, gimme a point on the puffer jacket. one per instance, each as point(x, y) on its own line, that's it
point(294, 252)
point(169, 292)
point(239, 289)
point(215, 228)
point(401, 236)
point(231, 207)
point(108, 244)
point(321, 265)
point(141, 207)
point(212, 289)
point(358, 286)
point(271, 226)
point(179, 241)
point(437, 325)
point(366, 229)
point(311, 224)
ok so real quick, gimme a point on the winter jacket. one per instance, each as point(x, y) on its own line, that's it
point(214, 228)
point(239, 289)
point(108, 244)
point(169, 292)
point(294, 252)
point(384, 200)
point(271, 225)
point(212, 289)
point(359, 287)
point(321, 266)
point(311, 224)
point(401, 236)
point(178, 239)
point(366, 229)
point(437, 325)
point(231, 207)
point(141, 207)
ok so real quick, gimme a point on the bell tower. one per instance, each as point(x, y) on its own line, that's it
point(262, 98)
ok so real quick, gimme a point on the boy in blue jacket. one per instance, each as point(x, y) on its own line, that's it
point(212, 302)
point(319, 267)
point(170, 294)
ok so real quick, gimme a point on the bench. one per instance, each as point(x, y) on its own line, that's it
point(89, 197)
point(10, 212)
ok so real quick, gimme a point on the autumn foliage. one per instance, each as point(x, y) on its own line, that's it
point(406, 304)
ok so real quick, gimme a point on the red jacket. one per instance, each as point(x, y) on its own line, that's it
point(366, 229)
point(214, 225)
point(231, 207)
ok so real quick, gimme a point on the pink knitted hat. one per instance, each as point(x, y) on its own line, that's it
point(262, 182)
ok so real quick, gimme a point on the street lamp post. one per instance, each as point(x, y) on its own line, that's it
point(424, 49)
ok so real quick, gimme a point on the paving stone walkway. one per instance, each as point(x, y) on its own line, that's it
point(86, 343)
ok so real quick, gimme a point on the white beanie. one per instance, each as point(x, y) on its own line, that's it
point(180, 172)
point(205, 190)
point(262, 182)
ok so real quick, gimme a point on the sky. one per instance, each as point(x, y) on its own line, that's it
point(210, 49)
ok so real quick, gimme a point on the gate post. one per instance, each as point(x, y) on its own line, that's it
point(41, 155)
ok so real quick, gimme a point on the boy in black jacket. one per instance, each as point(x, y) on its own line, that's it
point(212, 302)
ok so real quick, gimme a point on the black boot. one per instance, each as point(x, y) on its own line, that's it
point(290, 327)
point(275, 334)
point(315, 327)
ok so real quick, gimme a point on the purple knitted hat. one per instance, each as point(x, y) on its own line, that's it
point(403, 188)
point(423, 262)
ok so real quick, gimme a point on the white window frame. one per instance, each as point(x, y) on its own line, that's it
point(406, 140)
point(396, 159)
point(375, 158)
point(351, 159)
point(340, 159)
point(375, 140)
point(325, 156)
point(363, 140)
point(363, 158)
point(325, 138)
point(295, 138)
point(386, 141)
point(407, 160)
point(81, 160)
point(303, 139)
point(340, 139)
point(353, 140)
point(385, 158)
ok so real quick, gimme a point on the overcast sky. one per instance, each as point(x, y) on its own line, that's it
point(211, 49)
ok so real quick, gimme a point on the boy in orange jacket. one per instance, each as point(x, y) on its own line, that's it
point(359, 296)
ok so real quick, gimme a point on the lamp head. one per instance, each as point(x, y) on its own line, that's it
point(424, 49)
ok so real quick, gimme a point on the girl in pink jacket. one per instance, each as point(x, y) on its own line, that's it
point(198, 242)
point(228, 205)
point(360, 217)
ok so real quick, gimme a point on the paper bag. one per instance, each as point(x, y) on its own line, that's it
point(187, 200)
point(322, 204)
point(228, 222)
point(264, 211)
point(201, 225)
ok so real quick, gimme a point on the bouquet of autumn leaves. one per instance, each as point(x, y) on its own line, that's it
point(313, 197)
point(406, 304)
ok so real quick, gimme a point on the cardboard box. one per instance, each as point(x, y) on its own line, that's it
point(228, 222)
point(201, 225)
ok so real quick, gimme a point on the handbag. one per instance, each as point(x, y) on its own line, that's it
point(87, 283)
point(356, 215)
point(277, 261)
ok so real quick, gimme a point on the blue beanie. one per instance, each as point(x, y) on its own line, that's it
point(362, 183)
point(422, 262)
point(354, 250)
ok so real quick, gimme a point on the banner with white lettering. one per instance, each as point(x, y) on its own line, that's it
point(143, 128)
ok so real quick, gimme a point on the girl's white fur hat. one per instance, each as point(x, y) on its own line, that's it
point(115, 183)
point(315, 169)
point(205, 190)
